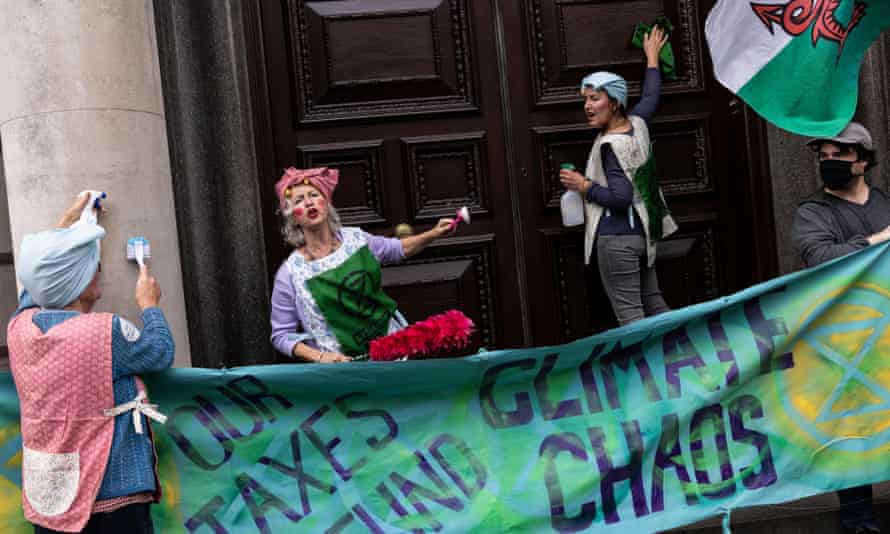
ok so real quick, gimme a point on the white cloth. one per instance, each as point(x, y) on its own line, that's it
point(138, 407)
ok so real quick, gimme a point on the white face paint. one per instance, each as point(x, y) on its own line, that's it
point(129, 330)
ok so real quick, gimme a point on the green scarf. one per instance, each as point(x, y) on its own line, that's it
point(646, 182)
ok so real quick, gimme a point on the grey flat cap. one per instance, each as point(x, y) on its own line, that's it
point(853, 134)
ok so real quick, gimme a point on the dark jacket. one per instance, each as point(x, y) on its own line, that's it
point(821, 233)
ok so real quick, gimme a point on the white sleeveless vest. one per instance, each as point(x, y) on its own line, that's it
point(632, 152)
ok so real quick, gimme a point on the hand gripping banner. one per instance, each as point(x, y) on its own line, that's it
point(775, 393)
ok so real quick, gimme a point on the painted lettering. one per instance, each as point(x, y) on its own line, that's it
point(612, 474)
point(549, 408)
point(251, 489)
point(680, 352)
point(193, 448)
point(766, 475)
point(711, 416)
point(496, 417)
point(622, 357)
point(550, 449)
point(298, 473)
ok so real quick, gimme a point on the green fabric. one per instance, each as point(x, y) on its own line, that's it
point(646, 182)
point(353, 302)
point(775, 393)
point(667, 62)
point(812, 88)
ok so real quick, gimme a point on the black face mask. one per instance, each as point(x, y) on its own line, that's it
point(836, 174)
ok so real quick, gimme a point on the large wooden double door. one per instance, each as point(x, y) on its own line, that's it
point(429, 105)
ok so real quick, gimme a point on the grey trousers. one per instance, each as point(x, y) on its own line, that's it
point(631, 286)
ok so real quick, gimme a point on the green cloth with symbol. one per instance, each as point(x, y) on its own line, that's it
point(353, 302)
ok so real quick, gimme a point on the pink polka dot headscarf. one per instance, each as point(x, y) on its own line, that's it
point(321, 178)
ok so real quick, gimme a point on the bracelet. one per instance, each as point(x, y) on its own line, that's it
point(321, 356)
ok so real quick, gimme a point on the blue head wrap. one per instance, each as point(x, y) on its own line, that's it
point(614, 85)
point(56, 266)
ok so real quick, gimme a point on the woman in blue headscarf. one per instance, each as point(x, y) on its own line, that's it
point(624, 210)
point(87, 462)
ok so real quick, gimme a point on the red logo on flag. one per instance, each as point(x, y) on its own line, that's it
point(796, 16)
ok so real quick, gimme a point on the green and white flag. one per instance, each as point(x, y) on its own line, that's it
point(795, 62)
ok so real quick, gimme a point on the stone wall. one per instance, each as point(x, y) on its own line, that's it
point(81, 108)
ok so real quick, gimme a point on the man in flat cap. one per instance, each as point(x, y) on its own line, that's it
point(88, 461)
point(846, 215)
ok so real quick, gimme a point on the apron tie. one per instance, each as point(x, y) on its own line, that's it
point(138, 407)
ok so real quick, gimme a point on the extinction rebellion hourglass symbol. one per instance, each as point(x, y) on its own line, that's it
point(355, 294)
point(844, 342)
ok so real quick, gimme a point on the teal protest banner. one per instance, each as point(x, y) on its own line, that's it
point(775, 393)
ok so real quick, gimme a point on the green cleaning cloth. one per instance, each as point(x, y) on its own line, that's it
point(666, 58)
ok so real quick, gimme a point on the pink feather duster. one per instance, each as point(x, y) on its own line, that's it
point(431, 338)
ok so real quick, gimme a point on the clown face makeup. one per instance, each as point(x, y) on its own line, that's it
point(309, 206)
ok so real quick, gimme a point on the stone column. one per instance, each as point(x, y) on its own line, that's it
point(81, 108)
point(223, 172)
point(873, 107)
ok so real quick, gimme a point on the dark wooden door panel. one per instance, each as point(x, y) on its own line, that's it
point(446, 172)
point(568, 39)
point(429, 105)
point(459, 276)
point(401, 96)
point(686, 272)
point(361, 59)
point(700, 146)
point(360, 197)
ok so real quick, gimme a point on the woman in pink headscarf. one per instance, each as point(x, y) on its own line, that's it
point(327, 300)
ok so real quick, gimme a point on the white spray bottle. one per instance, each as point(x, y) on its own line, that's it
point(571, 204)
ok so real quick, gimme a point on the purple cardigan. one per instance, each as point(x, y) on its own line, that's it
point(287, 313)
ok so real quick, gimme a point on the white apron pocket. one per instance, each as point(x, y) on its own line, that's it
point(50, 480)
